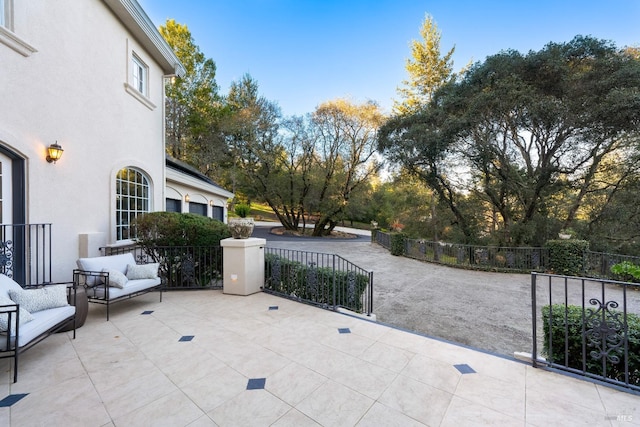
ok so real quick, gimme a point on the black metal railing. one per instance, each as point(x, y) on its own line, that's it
point(25, 252)
point(181, 267)
point(522, 259)
point(589, 327)
point(598, 264)
point(325, 280)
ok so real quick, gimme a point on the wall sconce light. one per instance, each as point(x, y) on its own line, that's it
point(234, 277)
point(187, 198)
point(54, 152)
point(210, 202)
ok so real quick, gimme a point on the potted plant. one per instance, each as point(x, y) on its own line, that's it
point(241, 227)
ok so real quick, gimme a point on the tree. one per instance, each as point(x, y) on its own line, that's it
point(346, 143)
point(194, 109)
point(427, 70)
point(520, 132)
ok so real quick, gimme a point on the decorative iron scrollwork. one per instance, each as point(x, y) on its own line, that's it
point(188, 270)
point(606, 331)
point(6, 258)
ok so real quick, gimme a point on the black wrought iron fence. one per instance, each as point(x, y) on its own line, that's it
point(181, 267)
point(589, 327)
point(523, 259)
point(382, 238)
point(326, 280)
point(598, 264)
point(25, 252)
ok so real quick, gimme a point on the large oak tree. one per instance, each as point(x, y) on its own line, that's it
point(519, 132)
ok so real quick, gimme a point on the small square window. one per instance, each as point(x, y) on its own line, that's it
point(139, 73)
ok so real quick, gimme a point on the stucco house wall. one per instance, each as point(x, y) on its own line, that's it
point(69, 80)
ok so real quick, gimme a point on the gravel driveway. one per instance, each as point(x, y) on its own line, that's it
point(483, 310)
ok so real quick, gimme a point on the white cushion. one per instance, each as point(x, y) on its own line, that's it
point(144, 271)
point(116, 279)
point(130, 287)
point(7, 284)
point(25, 316)
point(116, 262)
point(43, 321)
point(34, 300)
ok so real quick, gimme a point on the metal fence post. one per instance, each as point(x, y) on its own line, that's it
point(334, 281)
point(534, 350)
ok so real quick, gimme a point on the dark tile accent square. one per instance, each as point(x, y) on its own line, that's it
point(344, 330)
point(256, 383)
point(273, 307)
point(11, 399)
point(464, 369)
point(186, 338)
point(147, 312)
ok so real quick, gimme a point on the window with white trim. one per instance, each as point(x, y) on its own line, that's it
point(133, 198)
point(139, 75)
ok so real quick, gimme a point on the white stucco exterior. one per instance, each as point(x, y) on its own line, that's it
point(65, 76)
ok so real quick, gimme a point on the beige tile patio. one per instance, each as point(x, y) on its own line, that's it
point(381, 415)
point(333, 404)
point(295, 418)
point(133, 371)
point(174, 409)
point(294, 383)
point(417, 400)
point(250, 408)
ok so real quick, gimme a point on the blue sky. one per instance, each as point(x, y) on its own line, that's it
point(305, 52)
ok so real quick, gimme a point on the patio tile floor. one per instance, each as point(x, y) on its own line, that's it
point(248, 364)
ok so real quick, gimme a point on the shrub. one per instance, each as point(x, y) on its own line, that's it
point(567, 256)
point(398, 244)
point(627, 271)
point(567, 321)
point(315, 284)
point(242, 210)
point(186, 245)
point(179, 229)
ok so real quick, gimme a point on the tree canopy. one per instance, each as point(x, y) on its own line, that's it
point(428, 70)
point(525, 135)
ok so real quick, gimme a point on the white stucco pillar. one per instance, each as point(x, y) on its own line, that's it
point(243, 265)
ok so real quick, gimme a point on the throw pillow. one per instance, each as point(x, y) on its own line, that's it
point(144, 271)
point(25, 316)
point(39, 299)
point(116, 278)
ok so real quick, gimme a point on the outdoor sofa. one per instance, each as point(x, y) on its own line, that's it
point(30, 314)
point(113, 278)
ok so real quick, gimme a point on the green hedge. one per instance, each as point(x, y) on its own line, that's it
point(179, 229)
point(573, 326)
point(196, 257)
point(398, 244)
point(315, 284)
point(567, 256)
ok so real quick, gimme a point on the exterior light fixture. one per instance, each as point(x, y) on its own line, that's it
point(54, 152)
point(187, 198)
point(210, 202)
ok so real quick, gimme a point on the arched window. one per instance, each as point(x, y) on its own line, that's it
point(133, 197)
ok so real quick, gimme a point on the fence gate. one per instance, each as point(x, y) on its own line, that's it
point(589, 327)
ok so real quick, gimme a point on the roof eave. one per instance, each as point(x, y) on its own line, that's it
point(136, 20)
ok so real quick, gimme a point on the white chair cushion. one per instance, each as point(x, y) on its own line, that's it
point(34, 300)
point(115, 262)
point(116, 279)
point(144, 271)
point(25, 316)
point(7, 284)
